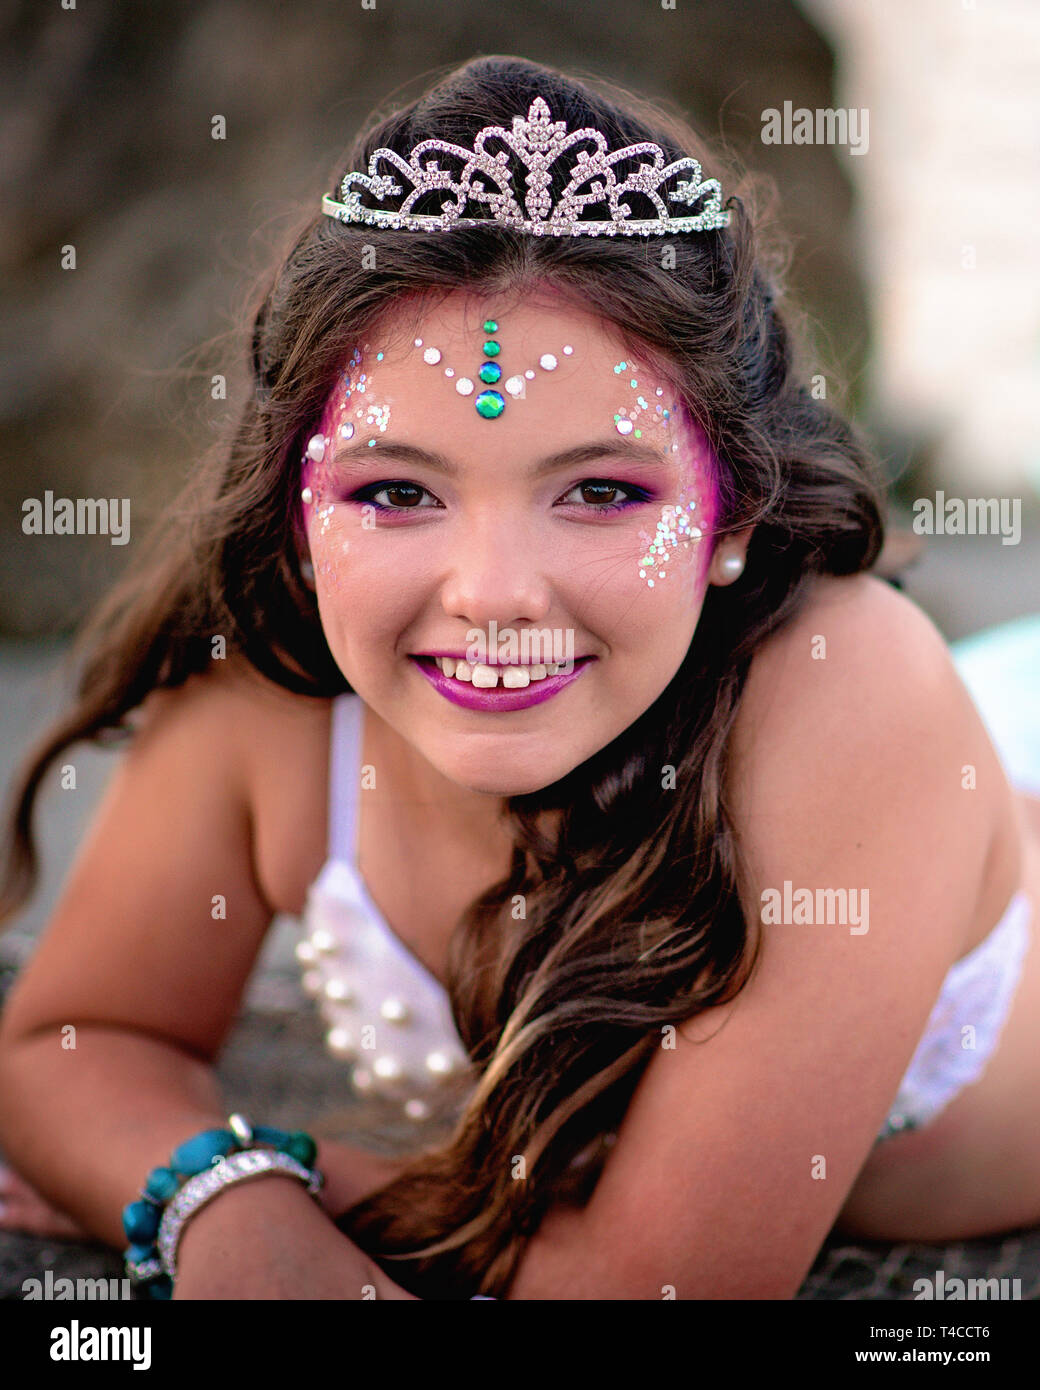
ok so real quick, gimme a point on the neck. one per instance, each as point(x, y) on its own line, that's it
point(463, 816)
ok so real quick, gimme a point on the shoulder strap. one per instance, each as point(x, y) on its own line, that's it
point(344, 776)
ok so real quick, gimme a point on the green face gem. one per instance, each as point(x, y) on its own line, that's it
point(490, 404)
point(490, 326)
point(491, 348)
point(490, 372)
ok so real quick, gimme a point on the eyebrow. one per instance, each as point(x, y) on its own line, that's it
point(631, 451)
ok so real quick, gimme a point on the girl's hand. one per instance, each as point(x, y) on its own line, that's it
point(23, 1209)
point(269, 1239)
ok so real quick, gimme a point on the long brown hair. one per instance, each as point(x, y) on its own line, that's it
point(632, 917)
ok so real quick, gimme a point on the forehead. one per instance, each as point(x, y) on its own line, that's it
point(562, 372)
point(524, 325)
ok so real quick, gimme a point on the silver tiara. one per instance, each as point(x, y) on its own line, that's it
point(537, 141)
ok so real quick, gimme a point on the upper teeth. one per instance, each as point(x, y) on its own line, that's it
point(486, 677)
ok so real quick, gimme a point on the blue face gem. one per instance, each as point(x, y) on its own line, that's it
point(490, 373)
point(490, 404)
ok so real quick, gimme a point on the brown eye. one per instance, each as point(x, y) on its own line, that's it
point(600, 494)
point(402, 497)
point(406, 493)
point(600, 488)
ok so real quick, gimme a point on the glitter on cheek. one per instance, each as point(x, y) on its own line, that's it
point(687, 521)
point(352, 411)
point(676, 526)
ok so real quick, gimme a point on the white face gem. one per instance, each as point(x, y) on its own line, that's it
point(464, 386)
point(346, 431)
point(418, 342)
point(529, 374)
point(547, 362)
point(316, 447)
point(515, 385)
point(624, 427)
point(307, 496)
point(449, 371)
point(432, 355)
point(568, 350)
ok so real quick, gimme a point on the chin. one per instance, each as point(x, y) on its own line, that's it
point(498, 778)
point(504, 785)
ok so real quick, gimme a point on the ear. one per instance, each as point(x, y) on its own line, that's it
point(729, 557)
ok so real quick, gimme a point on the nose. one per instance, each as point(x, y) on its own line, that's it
point(497, 571)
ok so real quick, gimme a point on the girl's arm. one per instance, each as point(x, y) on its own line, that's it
point(177, 1095)
point(739, 1146)
point(108, 1035)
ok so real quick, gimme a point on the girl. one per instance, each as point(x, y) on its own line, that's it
point(658, 869)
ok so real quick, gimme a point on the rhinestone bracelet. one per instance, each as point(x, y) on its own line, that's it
point(204, 1163)
point(203, 1187)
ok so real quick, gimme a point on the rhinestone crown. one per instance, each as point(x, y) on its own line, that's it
point(537, 141)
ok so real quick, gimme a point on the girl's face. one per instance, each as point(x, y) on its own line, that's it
point(575, 524)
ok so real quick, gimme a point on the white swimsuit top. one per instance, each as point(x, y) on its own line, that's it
point(390, 1017)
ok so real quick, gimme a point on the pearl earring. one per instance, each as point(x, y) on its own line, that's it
point(733, 565)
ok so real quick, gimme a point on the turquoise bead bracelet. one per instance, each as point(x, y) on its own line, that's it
point(141, 1219)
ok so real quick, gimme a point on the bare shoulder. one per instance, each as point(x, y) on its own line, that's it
point(855, 637)
point(858, 659)
point(855, 708)
point(231, 692)
point(269, 748)
point(250, 724)
point(171, 849)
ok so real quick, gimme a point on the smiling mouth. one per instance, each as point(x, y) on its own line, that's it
point(484, 677)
